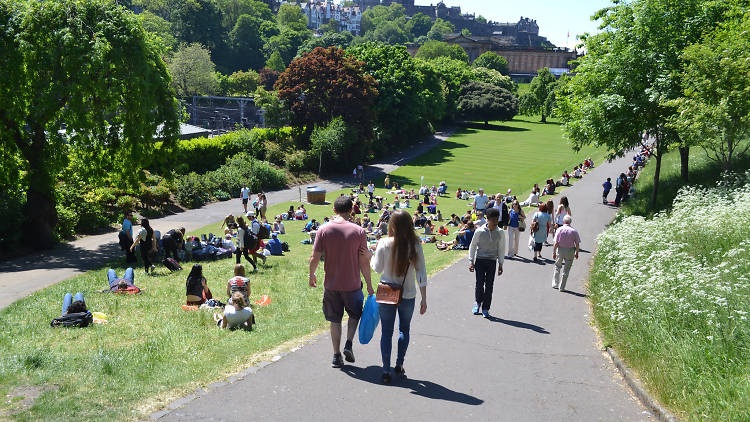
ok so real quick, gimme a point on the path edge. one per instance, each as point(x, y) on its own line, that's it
point(636, 386)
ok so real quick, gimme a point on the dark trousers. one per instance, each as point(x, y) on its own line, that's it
point(243, 251)
point(485, 272)
point(170, 247)
point(618, 196)
point(146, 255)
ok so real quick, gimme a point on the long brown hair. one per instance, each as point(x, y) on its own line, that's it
point(405, 241)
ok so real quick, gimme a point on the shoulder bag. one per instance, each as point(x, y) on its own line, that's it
point(390, 293)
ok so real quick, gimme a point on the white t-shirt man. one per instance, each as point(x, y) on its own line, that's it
point(371, 188)
point(480, 201)
point(245, 192)
point(235, 317)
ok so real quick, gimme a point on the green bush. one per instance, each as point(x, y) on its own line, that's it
point(126, 203)
point(205, 154)
point(96, 211)
point(221, 195)
point(154, 196)
point(274, 153)
point(295, 162)
point(11, 220)
point(67, 220)
point(191, 190)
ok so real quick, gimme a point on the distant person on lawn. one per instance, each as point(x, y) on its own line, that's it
point(126, 238)
point(344, 245)
point(487, 249)
point(147, 241)
point(400, 260)
point(567, 245)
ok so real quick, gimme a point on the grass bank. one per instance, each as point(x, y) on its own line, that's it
point(671, 293)
point(152, 351)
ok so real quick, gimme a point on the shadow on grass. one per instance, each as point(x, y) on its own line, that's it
point(492, 126)
point(440, 154)
point(427, 389)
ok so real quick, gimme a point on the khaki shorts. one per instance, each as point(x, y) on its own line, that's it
point(335, 302)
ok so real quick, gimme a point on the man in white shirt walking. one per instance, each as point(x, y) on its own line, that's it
point(245, 195)
point(480, 201)
point(487, 249)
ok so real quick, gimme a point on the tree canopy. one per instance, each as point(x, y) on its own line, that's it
point(540, 98)
point(485, 102)
point(193, 72)
point(87, 67)
point(440, 28)
point(327, 83)
point(433, 49)
point(419, 25)
point(493, 61)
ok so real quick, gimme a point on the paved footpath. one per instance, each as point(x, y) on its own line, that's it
point(537, 359)
point(23, 276)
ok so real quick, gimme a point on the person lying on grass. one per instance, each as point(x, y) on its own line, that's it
point(122, 285)
point(236, 315)
point(196, 289)
point(462, 240)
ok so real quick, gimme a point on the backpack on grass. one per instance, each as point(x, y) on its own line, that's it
point(171, 264)
point(78, 319)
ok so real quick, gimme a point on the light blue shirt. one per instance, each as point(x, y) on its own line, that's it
point(543, 219)
point(127, 227)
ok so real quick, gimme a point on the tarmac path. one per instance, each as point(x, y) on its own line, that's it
point(536, 359)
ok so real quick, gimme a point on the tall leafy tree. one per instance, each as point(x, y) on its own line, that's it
point(324, 84)
point(200, 21)
point(340, 39)
point(91, 68)
point(419, 25)
point(493, 77)
point(493, 61)
point(540, 98)
point(433, 49)
point(485, 102)
point(400, 105)
point(193, 72)
point(715, 109)
point(231, 10)
point(291, 16)
point(454, 74)
point(625, 83)
point(379, 16)
point(247, 43)
point(275, 62)
point(440, 28)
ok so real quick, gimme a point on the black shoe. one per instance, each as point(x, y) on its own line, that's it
point(386, 377)
point(349, 354)
point(337, 362)
point(400, 371)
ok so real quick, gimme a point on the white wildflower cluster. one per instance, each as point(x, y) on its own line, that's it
point(687, 268)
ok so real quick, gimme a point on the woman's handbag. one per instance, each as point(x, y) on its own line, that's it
point(390, 293)
point(521, 224)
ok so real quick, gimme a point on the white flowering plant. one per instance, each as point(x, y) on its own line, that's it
point(672, 294)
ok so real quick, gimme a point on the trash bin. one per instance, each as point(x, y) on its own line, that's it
point(316, 195)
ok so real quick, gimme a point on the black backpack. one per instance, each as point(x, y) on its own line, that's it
point(263, 232)
point(78, 319)
point(284, 246)
point(250, 240)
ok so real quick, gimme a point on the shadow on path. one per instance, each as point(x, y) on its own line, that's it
point(519, 324)
point(492, 126)
point(66, 255)
point(427, 389)
point(570, 292)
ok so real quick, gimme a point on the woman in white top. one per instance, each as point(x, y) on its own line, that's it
point(562, 210)
point(399, 260)
point(236, 315)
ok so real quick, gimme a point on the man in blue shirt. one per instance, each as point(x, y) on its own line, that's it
point(607, 187)
point(274, 245)
point(126, 237)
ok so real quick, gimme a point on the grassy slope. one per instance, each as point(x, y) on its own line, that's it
point(152, 350)
point(701, 380)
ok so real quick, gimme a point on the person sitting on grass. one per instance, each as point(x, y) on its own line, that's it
point(229, 222)
point(126, 284)
point(469, 215)
point(274, 245)
point(533, 198)
point(278, 226)
point(462, 240)
point(290, 213)
point(236, 314)
point(428, 227)
point(406, 203)
point(455, 221)
point(312, 225)
point(367, 224)
point(300, 213)
point(439, 216)
point(443, 231)
point(239, 284)
point(196, 288)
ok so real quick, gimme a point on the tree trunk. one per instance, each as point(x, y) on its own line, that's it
point(657, 170)
point(544, 117)
point(486, 123)
point(40, 211)
point(684, 158)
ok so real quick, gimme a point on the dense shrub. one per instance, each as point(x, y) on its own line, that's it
point(126, 203)
point(154, 196)
point(190, 190)
point(205, 154)
point(295, 162)
point(67, 220)
point(273, 153)
point(11, 220)
point(97, 209)
point(221, 195)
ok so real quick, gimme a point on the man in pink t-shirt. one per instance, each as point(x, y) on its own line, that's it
point(567, 244)
point(344, 246)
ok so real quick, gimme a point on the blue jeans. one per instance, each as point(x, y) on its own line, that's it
point(68, 299)
point(388, 319)
point(112, 276)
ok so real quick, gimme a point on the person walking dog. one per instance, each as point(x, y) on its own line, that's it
point(344, 245)
point(487, 249)
point(567, 243)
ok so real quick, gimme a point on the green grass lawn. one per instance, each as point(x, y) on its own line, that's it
point(152, 351)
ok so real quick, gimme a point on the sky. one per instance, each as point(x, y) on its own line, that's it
point(555, 17)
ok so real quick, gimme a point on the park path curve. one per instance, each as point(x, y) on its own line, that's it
point(536, 360)
point(23, 276)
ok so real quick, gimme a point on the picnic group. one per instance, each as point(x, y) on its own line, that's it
point(351, 245)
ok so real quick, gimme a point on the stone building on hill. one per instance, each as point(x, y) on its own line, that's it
point(321, 12)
